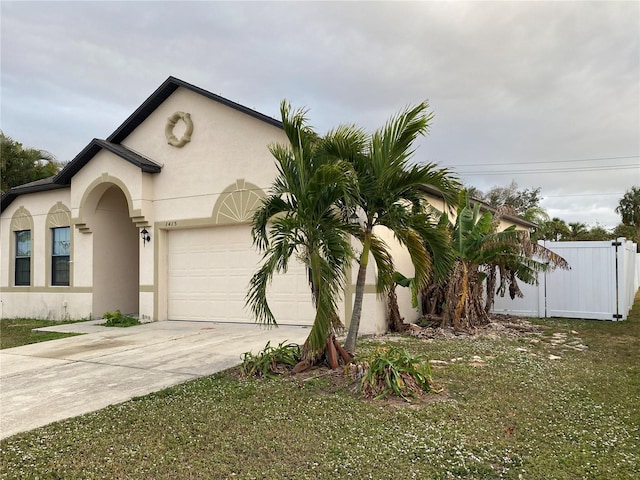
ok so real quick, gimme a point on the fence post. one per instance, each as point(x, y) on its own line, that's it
point(542, 290)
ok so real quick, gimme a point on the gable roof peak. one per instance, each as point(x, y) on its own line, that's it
point(164, 91)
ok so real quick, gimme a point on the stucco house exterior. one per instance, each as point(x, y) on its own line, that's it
point(154, 221)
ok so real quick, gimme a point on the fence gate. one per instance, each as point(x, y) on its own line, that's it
point(601, 284)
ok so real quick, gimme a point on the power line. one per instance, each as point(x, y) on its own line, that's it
point(547, 161)
point(554, 170)
point(583, 195)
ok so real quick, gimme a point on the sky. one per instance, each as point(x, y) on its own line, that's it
point(546, 94)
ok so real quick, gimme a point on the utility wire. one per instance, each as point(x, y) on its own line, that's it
point(553, 170)
point(583, 195)
point(547, 161)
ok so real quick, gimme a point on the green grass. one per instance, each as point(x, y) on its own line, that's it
point(515, 414)
point(15, 332)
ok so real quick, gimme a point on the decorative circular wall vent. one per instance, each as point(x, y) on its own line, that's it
point(171, 123)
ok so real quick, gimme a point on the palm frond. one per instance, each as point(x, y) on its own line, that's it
point(384, 263)
point(552, 258)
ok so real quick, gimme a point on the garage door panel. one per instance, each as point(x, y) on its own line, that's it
point(208, 276)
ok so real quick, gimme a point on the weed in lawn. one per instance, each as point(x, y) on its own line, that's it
point(271, 361)
point(393, 371)
point(117, 319)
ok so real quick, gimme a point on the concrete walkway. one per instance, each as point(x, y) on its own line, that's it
point(50, 381)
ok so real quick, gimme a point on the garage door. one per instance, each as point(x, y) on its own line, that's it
point(208, 277)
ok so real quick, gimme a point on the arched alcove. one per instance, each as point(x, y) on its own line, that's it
point(116, 253)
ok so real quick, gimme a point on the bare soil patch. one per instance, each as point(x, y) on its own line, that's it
point(500, 325)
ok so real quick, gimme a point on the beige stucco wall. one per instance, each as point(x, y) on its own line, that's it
point(226, 145)
point(403, 264)
point(40, 299)
point(100, 173)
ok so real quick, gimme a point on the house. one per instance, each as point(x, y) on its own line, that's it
point(154, 221)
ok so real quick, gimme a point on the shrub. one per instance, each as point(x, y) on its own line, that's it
point(271, 361)
point(392, 370)
point(117, 319)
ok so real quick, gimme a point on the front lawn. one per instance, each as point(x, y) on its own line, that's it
point(562, 404)
point(15, 332)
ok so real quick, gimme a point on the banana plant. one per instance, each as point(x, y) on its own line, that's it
point(481, 251)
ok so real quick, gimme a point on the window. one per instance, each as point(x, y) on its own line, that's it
point(60, 255)
point(23, 257)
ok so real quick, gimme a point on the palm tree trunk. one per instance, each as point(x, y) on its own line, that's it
point(354, 326)
point(314, 345)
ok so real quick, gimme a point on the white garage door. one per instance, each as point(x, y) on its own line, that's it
point(208, 277)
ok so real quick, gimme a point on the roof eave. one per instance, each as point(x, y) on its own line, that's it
point(512, 218)
point(163, 92)
point(13, 193)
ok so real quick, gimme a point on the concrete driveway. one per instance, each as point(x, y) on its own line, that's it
point(50, 381)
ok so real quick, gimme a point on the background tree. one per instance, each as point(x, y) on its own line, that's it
point(629, 208)
point(598, 233)
point(474, 193)
point(627, 231)
point(537, 215)
point(391, 196)
point(300, 219)
point(521, 200)
point(577, 231)
point(20, 165)
point(554, 230)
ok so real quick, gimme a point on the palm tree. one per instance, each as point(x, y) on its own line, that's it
point(577, 231)
point(629, 208)
point(536, 215)
point(391, 195)
point(554, 230)
point(481, 252)
point(300, 218)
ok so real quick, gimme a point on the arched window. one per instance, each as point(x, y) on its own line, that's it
point(21, 244)
point(59, 245)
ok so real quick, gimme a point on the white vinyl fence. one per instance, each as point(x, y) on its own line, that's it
point(601, 284)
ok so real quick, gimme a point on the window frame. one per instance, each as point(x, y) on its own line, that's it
point(20, 259)
point(60, 258)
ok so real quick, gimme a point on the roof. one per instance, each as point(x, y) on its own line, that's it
point(91, 150)
point(63, 178)
point(163, 92)
point(31, 187)
point(113, 142)
point(484, 206)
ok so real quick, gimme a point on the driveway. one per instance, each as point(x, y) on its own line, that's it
point(51, 381)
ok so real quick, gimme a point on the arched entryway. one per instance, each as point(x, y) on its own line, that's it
point(116, 255)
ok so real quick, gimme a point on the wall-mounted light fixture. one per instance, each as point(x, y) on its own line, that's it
point(144, 234)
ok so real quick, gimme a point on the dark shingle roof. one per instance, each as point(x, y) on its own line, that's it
point(113, 142)
point(91, 150)
point(163, 92)
point(31, 187)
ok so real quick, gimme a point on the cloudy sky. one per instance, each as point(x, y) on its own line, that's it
point(543, 93)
